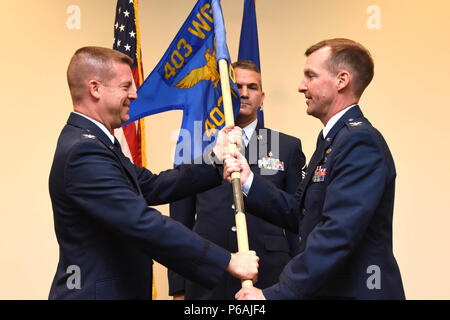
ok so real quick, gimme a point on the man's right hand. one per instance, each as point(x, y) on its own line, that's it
point(244, 265)
point(236, 163)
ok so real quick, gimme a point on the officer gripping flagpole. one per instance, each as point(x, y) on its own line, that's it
point(241, 224)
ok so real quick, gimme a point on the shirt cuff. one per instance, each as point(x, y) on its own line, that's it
point(248, 184)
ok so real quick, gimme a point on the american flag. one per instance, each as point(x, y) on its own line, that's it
point(126, 40)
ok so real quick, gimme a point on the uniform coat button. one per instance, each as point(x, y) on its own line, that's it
point(233, 228)
point(299, 239)
point(304, 211)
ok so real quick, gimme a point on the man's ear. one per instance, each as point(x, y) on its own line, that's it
point(263, 95)
point(94, 88)
point(343, 79)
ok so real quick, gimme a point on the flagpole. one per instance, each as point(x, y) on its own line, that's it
point(141, 80)
point(241, 224)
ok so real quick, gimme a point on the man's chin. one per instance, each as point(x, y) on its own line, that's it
point(310, 110)
point(126, 116)
point(124, 119)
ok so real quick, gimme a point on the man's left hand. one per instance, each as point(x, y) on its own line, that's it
point(250, 293)
point(228, 135)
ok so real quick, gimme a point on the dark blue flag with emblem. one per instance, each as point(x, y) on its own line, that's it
point(187, 79)
point(248, 43)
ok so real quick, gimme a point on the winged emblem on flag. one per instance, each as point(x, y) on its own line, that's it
point(208, 72)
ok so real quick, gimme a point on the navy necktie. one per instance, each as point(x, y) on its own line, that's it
point(117, 145)
point(317, 153)
point(320, 139)
point(119, 150)
point(129, 167)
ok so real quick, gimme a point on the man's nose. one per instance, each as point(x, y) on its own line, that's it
point(132, 95)
point(302, 88)
point(243, 91)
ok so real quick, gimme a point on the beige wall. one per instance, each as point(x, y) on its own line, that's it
point(408, 102)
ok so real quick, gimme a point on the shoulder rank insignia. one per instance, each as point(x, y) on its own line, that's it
point(89, 136)
point(354, 124)
point(319, 174)
point(271, 164)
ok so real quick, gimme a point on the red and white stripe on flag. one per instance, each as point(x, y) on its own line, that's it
point(126, 40)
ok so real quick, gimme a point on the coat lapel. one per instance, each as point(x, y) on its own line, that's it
point(257, 145)
point(91, 128)
point(319, 154)
point(314, 162)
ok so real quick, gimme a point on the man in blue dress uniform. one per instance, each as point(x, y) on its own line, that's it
point(277, 157)
point(108, 235)
point(343, 208)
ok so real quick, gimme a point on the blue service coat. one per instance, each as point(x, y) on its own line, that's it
point(104, 226)
point(343, 212)
point(211, 214)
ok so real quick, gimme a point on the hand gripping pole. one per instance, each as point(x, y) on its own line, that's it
point(241, 224)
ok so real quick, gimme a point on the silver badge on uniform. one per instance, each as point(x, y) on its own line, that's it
point(89, 136)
